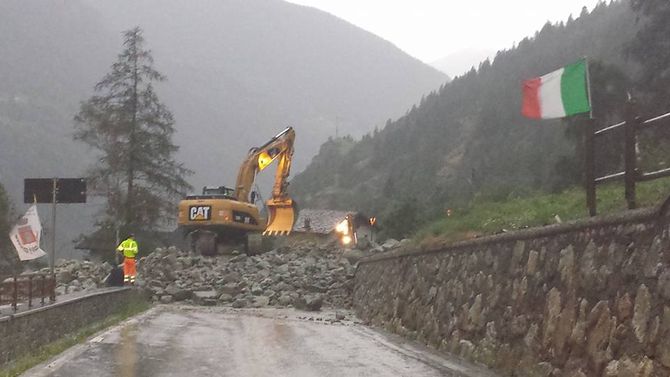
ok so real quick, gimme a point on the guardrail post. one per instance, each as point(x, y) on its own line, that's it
point(52, 288)
point(30, 291)
point(630, 160)
point(15, 293)
point(42, 288)
point(589, 167)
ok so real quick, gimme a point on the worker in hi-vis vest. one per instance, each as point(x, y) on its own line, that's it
point(129, 250)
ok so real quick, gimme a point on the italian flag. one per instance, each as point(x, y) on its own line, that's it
point(557, 94)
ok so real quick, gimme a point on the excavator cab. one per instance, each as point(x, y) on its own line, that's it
point(219, 191)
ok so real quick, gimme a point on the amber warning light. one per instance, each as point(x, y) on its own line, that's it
point(343, 228)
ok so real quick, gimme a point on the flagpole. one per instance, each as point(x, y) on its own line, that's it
point(588, 87)
point(589, 150)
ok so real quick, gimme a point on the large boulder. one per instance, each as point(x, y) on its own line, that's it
point(353, 255)
point(261, 301)
point(207, 298)
point(390, 244)
point(309, 302)
point(179, 294)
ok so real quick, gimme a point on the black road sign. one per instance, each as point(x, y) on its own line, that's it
point(38, 190)
point(71, 190)
point(68, 190)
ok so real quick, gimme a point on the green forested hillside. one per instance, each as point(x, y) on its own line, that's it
point(469, 138)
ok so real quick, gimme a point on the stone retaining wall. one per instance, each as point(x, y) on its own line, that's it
point(590, 298)
point(24, 332)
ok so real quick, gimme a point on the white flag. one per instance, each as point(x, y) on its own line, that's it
point(26, 235)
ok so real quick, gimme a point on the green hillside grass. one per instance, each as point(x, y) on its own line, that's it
point(485, 216)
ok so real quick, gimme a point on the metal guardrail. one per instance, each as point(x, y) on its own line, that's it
point(631, 174)
point(610, 128)
point(26, 288)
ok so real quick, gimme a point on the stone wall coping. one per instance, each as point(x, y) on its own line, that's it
point(67, 301)
point(637, 215)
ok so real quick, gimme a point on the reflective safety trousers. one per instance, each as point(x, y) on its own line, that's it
point(129, 270)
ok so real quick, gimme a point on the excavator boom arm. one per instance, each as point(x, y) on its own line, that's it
point(279, 147)
point(280, 205)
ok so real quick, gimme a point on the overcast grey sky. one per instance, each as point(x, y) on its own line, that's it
point(432, 29)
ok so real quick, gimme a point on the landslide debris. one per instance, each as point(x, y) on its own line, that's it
point(305, 276)
point(79, 276)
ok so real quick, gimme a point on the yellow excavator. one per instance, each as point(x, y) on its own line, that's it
point(224, 216)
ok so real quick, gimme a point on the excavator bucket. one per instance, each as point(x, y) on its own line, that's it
point(281, 217)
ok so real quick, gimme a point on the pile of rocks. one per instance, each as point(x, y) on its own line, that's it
point(305, 276)
point(75, 276)
point(388, 245)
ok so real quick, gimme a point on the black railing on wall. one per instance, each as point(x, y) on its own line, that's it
point(27, 288)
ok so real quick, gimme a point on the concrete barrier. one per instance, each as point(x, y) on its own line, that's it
point(24, 332)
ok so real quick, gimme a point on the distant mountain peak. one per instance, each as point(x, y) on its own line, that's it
point(460, 62)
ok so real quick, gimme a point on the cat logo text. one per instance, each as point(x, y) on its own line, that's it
point(200, 213)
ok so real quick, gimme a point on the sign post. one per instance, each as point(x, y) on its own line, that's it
point(54, 191)
point(52, 255)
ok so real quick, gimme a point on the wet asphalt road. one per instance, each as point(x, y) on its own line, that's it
point(188, 341)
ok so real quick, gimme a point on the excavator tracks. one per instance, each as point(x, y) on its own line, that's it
point(204, 243)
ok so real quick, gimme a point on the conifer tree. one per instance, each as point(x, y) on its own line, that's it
point(132, 131)
point(4, 218)
point(650, 49)
point(9, 261)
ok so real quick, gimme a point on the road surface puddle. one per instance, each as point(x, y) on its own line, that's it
point(126, 352)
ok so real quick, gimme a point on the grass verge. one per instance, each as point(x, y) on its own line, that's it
point(484, 217)
point(46, 352)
